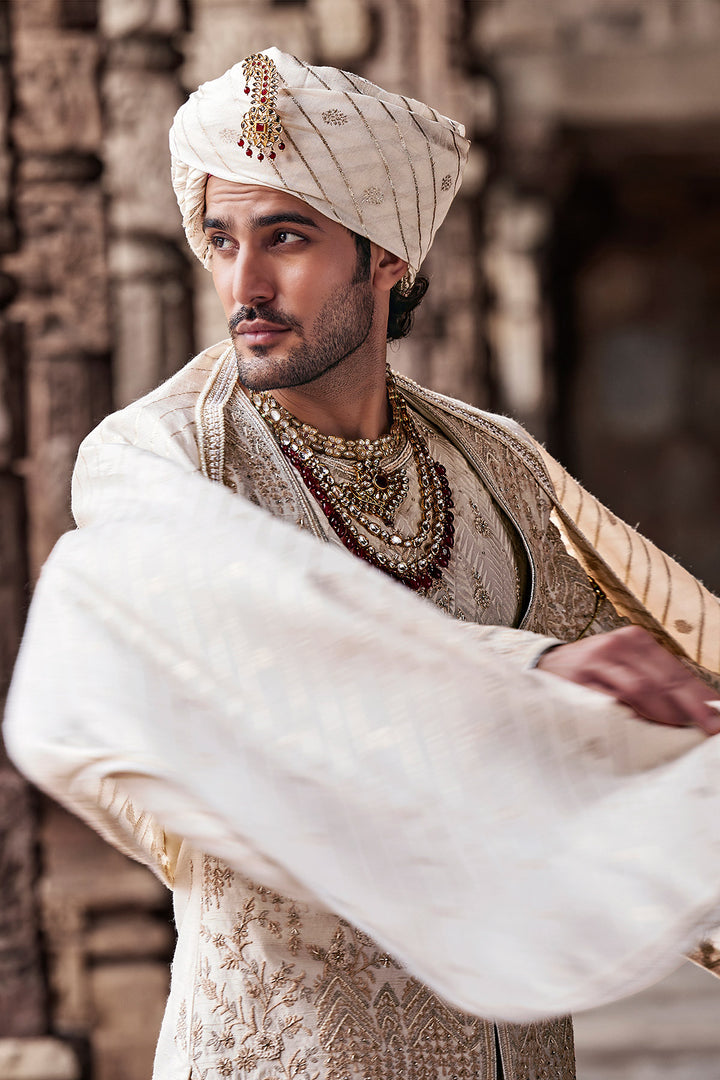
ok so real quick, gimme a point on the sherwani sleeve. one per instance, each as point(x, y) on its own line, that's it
point(275, 702)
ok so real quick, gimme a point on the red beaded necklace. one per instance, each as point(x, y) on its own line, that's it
point(418, 560)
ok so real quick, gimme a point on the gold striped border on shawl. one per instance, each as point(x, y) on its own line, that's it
point(689, 612)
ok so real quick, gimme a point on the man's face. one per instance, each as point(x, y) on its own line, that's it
point(287, 279)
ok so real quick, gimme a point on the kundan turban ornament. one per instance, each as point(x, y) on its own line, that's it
point(385, 166)
point(261, 125)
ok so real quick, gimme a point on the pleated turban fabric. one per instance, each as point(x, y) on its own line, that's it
point(385, 166)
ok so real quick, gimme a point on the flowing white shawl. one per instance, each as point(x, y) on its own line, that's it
point(196, 669)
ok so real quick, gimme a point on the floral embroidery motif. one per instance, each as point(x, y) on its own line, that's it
point(343, 1009)
point(250, 1012)
point(482, 528)
point(480, 594)
point(216, 877)
point(373, 196)
point(446, 182)
point(334, 117)
point(229, 136)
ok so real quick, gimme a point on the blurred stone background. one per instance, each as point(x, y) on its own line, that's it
point(575, 284)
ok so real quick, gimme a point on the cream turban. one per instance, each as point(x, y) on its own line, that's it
point(382, 165)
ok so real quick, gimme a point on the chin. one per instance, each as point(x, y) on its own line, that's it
point(259, 372)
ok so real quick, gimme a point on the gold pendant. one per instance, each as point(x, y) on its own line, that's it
point(377, 492)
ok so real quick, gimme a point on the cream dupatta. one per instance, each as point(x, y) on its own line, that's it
point(196, 670)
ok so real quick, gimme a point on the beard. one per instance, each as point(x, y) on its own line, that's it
point(340, 328)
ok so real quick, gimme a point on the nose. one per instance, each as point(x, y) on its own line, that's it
point(252, 282)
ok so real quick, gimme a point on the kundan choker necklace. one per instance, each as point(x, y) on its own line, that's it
point(351, 509)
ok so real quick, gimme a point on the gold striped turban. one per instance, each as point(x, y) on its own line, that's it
point(384, 166)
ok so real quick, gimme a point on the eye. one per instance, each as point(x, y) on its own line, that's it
point(220, 243)
point(284, 236)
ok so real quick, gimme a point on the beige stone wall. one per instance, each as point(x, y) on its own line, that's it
point(94, 299)
point(22, 992)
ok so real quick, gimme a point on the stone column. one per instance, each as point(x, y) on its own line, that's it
point(106, 932)
point(60, 262)
point(22, 998)
point(151, 280)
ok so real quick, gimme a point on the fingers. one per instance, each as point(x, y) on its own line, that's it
point(629, 665)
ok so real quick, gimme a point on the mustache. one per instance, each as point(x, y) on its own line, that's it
point(264, 313)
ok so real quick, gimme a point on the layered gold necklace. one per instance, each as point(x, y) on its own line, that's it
point(362, 511)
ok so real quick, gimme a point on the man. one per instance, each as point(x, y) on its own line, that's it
point(380, 823)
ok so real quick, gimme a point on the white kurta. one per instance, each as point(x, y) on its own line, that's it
point(521, 844)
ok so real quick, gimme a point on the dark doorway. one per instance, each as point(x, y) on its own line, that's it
point(635, 282)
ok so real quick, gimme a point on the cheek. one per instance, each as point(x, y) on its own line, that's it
point(222, 280)
point(316, 282)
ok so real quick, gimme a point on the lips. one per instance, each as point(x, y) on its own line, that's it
point(259, 333)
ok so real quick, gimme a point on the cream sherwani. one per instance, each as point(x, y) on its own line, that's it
point(361, 803)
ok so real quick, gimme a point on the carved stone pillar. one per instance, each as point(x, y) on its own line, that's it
point(151, 304)
point(60, 263)
point(22, 997)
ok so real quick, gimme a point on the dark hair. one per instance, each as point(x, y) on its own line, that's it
point(402, 305)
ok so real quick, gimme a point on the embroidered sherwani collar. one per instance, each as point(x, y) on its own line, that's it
point(478, 435)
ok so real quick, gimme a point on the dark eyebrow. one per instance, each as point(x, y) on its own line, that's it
point(263, 221)
point(215, 223)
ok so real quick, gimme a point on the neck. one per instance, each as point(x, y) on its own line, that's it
point(348, 402)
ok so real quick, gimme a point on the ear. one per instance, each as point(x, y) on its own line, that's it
point(387, 269)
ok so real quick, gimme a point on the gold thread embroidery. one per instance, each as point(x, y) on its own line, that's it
point(482, 527)
point(480, 594)
point(210, 415)
point(388, 174)
point(216, 878)
point(334, 117)
point(372, 195)
point(459, 158)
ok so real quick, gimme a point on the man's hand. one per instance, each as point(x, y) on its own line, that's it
point(629, 665)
